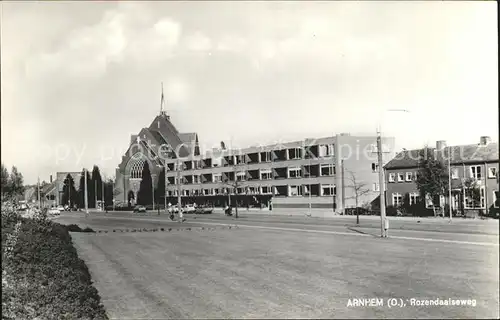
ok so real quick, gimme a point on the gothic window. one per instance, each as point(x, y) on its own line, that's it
point(136, 168)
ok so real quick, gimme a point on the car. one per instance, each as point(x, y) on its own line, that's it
point(189, 208)
point(60, 208)
point(138, 209)
point(53, 211)
point(204, 210)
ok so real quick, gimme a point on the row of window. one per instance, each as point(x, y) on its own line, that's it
point(474, 172)
point(468, 201)
point(325, 150)
point(326, 170)
point(291, 191)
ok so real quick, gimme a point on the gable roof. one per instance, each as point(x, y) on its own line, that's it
point(169, 133)
point(188, 137)
point(470, 153)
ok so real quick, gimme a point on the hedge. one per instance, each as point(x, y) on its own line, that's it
point(46, 278)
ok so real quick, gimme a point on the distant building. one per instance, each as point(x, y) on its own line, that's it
point(477, 161)
point(291, 174)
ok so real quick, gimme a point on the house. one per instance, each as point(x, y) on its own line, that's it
point(477, 162)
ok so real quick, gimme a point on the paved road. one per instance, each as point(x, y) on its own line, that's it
point(293, 268)
point(461, 231)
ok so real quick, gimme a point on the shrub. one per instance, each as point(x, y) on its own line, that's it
point(73, 228)
point(47, 279)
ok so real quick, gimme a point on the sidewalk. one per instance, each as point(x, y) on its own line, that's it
point(329, 214)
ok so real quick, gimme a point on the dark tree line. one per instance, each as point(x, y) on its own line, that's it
point(12, 183)
point(96, 189)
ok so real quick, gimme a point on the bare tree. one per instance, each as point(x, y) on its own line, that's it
point(472, 193)
point(234, 184)
point(359, 189)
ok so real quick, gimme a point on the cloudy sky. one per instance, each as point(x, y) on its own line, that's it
point(79, 77)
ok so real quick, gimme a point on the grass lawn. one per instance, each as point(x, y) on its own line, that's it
point(242, 273)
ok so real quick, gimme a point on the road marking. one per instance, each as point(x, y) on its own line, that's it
point(445, 240)
point(318, 231)
point(358, 234)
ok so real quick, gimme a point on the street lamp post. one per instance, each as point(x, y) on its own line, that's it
point(381, 183)
point(86, 196)
point(153, 193)
point(166, 181)
point(449, 181)
point(310, 199)
point(383, 222)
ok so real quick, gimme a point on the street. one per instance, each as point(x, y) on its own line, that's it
point(277, 267)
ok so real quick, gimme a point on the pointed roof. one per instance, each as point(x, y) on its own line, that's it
point(165, 132)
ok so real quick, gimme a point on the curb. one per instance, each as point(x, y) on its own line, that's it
point(359, 231)
point(133, 230)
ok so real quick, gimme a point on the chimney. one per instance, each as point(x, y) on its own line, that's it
point(484, 140)
point(440, 145)
point(50, 178)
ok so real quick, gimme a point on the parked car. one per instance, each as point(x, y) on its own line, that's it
point(60, 208)
point(204, 210)
point(53, 211)
point(189, 208)
point(138, 209)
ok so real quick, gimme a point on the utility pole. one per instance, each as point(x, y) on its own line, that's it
point(153, 192)
point(382, 183)
point(343, 184)
point(179, 189)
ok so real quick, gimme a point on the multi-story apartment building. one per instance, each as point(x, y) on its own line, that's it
point(293, 174)
point(474, 161)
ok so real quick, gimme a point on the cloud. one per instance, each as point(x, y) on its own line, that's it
point(198, 42)
point(254, 70)
point(176, 91)
point(87, 51)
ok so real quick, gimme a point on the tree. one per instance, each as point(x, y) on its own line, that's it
point(432, 178)
point(69, 192)
point(5, 181)
point(359, 189)
point(108, 192)
point(472, 193)
point(97, 183)
point(16, 183)
point(81, 190)
point(90, 191)
point(160, 189)
point(145, 194)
